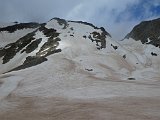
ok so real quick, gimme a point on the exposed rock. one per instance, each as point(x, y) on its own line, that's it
point(62, 22)
point(49, 48)
point(20, 26)
point(153, 54)
point(49, 32)
point(85, 36)
point(29, 62)
point(115, 47)
point(89, 70)
point(31, 47)
point(10, 50)
point(131, 79)
point(148, 32)
point(124, 56)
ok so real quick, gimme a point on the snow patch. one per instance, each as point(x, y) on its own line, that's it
point(9, 84)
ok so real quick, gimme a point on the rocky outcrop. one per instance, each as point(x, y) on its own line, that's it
point(148, 32)
point(19, 26)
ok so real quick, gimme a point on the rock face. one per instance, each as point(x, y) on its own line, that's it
point(148, 32)
point(19, 26)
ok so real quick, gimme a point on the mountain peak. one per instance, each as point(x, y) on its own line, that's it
point(57, 35)
point(148, 32)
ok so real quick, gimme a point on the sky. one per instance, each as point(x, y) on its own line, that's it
point(118, 17)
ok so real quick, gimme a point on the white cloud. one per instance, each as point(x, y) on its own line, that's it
point(114, 15)
point(104, 13)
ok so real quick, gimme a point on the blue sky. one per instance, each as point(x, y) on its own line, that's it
point(117, 16)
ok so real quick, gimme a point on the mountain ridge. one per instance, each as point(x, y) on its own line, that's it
point(148, 32)
point(47, 36)
point(59, 35)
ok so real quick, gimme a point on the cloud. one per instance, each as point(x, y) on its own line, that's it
point(105, 13)
point(117, 16)
point(34, 10)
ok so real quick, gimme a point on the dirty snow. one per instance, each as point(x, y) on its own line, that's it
point(83, 74)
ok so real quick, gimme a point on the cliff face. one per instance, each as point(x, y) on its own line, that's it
point(148, 32)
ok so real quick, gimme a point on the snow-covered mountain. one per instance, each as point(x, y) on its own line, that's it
point(73, 60)
point(144, 41)
point(40, 40)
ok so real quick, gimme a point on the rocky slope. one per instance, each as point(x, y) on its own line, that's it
point(144, 41)
point(148, 32)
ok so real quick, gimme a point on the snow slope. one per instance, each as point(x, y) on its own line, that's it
point(85, 73)
point(74, 40)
